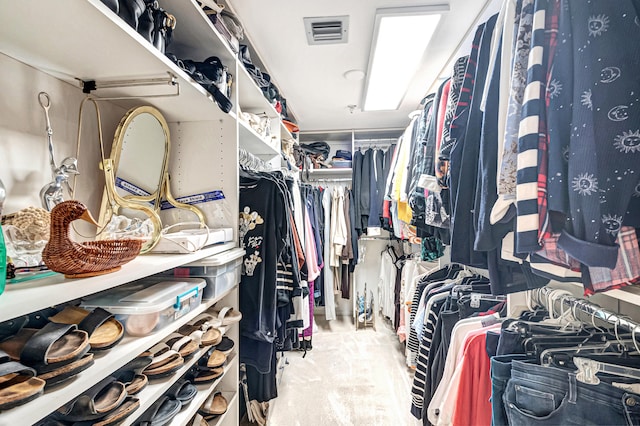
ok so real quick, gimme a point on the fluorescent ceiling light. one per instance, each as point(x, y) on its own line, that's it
point(401, 35)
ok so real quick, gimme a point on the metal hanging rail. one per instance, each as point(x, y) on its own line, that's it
point(543, 296)
point(89, 86)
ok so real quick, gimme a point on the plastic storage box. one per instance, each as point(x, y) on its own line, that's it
point(149, 305)
point(341, 164)
point(221, 272)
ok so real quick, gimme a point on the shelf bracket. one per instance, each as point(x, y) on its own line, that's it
point(89, 86)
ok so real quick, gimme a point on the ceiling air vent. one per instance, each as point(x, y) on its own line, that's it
point(327, 30)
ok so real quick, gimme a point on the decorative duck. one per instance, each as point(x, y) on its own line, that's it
point(80, 260)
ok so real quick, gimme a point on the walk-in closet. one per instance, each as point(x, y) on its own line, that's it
point(286, 213)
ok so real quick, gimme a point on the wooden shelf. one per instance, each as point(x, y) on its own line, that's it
point(21, 299)
point(105, 364)
point(90, 42)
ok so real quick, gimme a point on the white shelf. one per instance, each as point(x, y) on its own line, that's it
point(195, 37)
point(27, 297)
point(629, 294)
point(156, 389)
point(110, 50)
point(250, 140)
point(231, 398)
point(251, 97)
point(285, 133)
point(105, 364)
point(204, 390)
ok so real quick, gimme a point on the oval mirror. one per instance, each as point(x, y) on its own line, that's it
point(135, 170)
point(136, 175)
point(142, 155)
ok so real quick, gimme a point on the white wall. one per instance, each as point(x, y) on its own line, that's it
point(24, 167)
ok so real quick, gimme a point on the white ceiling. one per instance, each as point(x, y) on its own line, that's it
point(311, 78)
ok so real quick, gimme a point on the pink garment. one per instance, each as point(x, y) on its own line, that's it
point(313, 270)
point(308, 332)
point(447, 406)
point(402, 331)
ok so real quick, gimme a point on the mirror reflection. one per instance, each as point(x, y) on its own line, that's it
point(142, 156)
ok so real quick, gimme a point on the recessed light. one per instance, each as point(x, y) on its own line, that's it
point(354, 75)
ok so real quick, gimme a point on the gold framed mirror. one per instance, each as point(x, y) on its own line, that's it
point(136, 172)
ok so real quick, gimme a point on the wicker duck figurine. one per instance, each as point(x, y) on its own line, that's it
point(80, 260)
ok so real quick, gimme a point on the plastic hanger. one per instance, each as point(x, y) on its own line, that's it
point(589, 368)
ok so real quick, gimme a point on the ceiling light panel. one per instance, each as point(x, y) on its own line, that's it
point(401, 36)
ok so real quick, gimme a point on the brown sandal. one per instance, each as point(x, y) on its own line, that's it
point(215, 405)
point(53, 376)
point(104, 330)
point(18, 384)
point(165, 361)
point(202, 330)
point(184, 345)
point(52, 344)
point(216, 359)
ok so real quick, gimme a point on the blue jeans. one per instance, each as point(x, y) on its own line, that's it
point(500, 375)
point(539, 395)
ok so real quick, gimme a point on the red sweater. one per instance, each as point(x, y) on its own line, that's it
point(472, 401)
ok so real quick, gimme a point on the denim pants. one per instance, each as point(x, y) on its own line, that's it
point(500, 375)
point(539, 395)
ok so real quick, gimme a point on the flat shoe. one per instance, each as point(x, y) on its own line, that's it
point(103, 329)
point(227, 315)
point(216, 359)
point(18, 384)
point(184, 345)
point(165, 362)
point(225, 346)
point(98, 401)
point(12, 326)
point(125, 409)
point(215, 405)
point(202, 330)
point(131, 373)
point(52, 344)
point(202, 374)
point(183, 391)
point(161, 412)
point(66, 371)
point(198, 420)
point(133, 382)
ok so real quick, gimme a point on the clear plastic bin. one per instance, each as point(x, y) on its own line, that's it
point(148, 305)
point(221, 272)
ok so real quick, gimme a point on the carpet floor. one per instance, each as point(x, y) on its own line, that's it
point(349, 378)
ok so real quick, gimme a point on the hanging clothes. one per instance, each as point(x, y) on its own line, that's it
point(330, 305)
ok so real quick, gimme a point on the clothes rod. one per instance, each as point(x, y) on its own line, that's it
point(591, 309)
point(329, 180)
point(89, 86)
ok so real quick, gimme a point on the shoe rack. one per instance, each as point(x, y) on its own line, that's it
point(55, 46)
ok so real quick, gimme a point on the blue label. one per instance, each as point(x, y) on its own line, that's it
point(195, 199)
point(131, 188)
